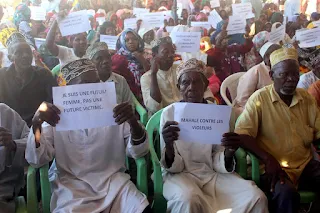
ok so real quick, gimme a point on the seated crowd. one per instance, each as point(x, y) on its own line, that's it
point(275, 113)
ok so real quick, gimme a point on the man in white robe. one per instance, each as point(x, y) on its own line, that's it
point(90, 164)
point(13, 139)
point(200, 177)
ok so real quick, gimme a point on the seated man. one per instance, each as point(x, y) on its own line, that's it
point(13, 139)
point(90, 163)
point(24, 87)
point(200, 177)
point(159, 85)
point(279, 125)
point(99, 54)
point(255, 78)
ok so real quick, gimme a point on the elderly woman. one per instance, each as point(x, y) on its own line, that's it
point(99, 54)
point(200, 177)
point(89, 164)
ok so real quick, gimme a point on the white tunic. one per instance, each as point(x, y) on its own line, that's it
point(90, 166)
point(12, 163)
point(198, 181)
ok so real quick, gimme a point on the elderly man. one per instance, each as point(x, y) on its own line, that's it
point(255, 78)
point(99, 54)
point(13, 139)
point(200, 177)
point(159, 85)
point(279, 125)
point(90, 163)
point(24, 87)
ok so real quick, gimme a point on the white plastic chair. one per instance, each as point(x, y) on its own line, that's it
point(230, 83)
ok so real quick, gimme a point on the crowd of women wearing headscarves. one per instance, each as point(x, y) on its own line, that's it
point(146, 68)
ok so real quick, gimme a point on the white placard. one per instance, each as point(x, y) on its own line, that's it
point(215, 3)
point(242, 9)
point(137, 11)
point(38, 13)
point(236, 23)
point(152, 20)
point(169, 28)
point(205, 25)
point(214, 18)
point(85, 106)
point(308, 38)
point(186, 41)
point(91, 12)
point(278, 34)
point(316, 23)
point(202, 123)
point(130, 23)
point(179, 9)
point(101, 20)
point(74, 23)
point(39, 42)
point(111, 41)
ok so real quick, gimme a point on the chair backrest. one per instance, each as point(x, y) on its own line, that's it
point(230, 83)
point(141, 111)
point(152, 128)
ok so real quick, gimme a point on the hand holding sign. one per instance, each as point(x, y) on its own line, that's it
point(123, 113)
point(170, 133)
point(47, 112)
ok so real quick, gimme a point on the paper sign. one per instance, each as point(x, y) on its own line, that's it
point(215, 3)
point(130, 23)
point(308, 38)
point(278, 34)
point(214, 18)
point(242, 9)
point(91, 12)
point(205, 25)
point(74, 23)
point(152, 20)
point(186, 41)
point(85, 106)
point(137, 11)
point(101, 20)
point(39, 42)
point(202, 123)
point(236, 24)
point(111, 41)
point(38, 13)
point(169, 28)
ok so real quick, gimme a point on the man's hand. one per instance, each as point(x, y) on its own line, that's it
point(274, 172)
point(124, 112)
point(6, 139)
point(170, 133)
point(47, 112)
point(232, 140)
point(155, 61)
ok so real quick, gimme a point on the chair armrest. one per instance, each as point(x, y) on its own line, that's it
point(32, 199)
point(141, 111)
point(45, 188)
point(241, 166)
point(142, 178)
point(255, 169)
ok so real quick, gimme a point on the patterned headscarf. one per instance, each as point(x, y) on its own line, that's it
point(134, 65)
point(191, 65)
point(22, 13)
point(157, 42)
point(74, 69)
point(94, 48)
point(15, 38)
point(260, 39)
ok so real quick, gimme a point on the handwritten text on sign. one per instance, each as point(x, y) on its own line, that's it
point(74, 23)
point(186, 41)
point(85, 106)
point(130, 23)
point(278, 34)
point(202, 123)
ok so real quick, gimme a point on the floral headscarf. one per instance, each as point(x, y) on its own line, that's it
point(22, 13)
point(134, 65)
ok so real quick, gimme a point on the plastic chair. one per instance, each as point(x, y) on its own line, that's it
point(32, 202)
point(230, 83)
point(159, 204)
point(306, 197)
point(141, 111)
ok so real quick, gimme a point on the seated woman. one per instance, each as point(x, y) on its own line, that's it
point(200, 177)
point(89, 169)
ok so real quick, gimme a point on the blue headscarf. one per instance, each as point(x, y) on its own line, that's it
point(121, 43)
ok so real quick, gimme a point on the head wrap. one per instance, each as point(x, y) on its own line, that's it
point(260, 39)
point(5, 34)
point(157, 42)
point(314, 90)
point(121, 43)
point(22, 13)
point(265, 48)
point(94, 48)
point(110, 15)
point(143, 31)
point(74, 69)
point(282, 55)
point(191, 65)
